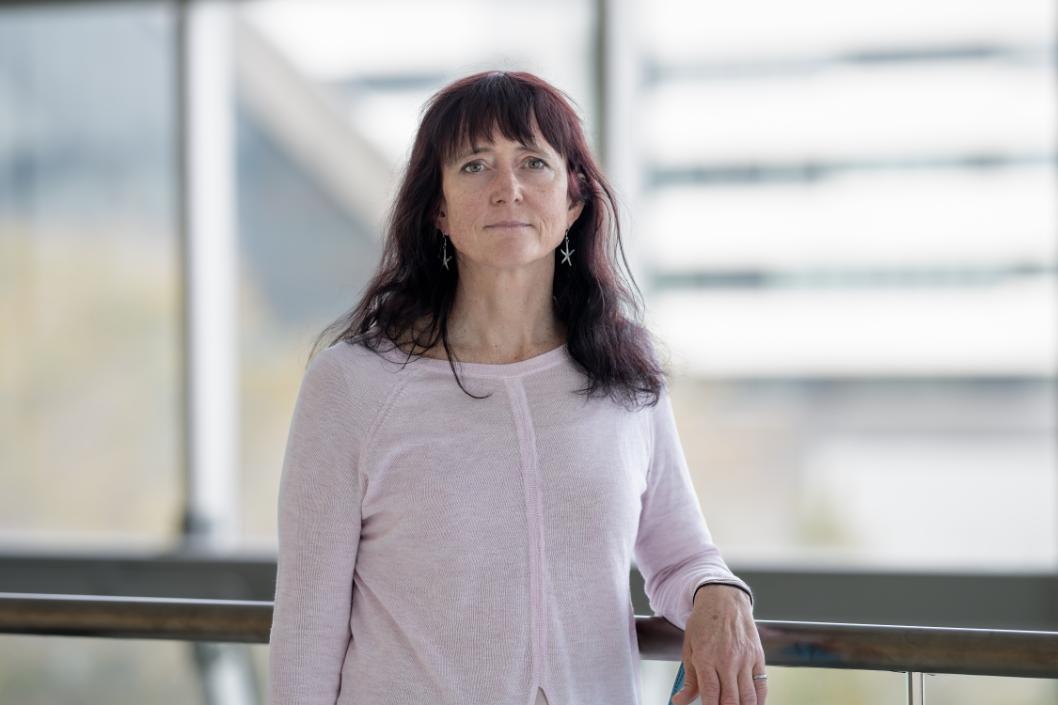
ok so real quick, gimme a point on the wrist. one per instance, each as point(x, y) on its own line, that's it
point(719, 591)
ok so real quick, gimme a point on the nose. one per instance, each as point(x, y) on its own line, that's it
point(506, 188)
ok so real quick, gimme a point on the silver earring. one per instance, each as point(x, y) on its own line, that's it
point(567, 252)
point(445, 259)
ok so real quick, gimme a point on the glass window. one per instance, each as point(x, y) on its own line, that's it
point(852, 250)
point(90, 421)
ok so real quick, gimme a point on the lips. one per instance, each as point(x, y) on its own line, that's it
point(508, 224)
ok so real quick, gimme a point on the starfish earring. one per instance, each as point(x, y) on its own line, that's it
point(567, 252)
point(445, 259)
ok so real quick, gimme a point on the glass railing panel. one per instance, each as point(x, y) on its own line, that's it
point(949, 689)
point(822, 686)
point(796, 686)
point(49, 670)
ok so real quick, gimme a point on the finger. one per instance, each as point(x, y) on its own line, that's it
point(747, 693)
point(761, 685)
point(709, 686)
point(690, 686)
point(729, 689)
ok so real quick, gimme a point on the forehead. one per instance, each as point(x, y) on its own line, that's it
point(534, 143)
point(483, 139)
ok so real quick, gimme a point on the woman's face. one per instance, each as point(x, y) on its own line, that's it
point(504, 204)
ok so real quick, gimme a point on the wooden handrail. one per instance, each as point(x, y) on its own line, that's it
point(993, 652)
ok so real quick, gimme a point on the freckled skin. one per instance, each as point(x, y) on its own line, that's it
point(503, 309)
point(506, 182)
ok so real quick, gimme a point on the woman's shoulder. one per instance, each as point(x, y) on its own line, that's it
point(352, 380)
point(360, 359)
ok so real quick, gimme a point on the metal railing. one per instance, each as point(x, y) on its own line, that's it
point(911, 649)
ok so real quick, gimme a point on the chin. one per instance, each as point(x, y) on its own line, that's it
point(515, 260)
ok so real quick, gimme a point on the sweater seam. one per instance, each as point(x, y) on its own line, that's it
point(653, 419)
point(379, 419)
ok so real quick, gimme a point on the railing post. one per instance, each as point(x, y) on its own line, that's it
point(916, 688)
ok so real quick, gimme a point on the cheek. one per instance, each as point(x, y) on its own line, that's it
point(560, 203)
point(466, 208)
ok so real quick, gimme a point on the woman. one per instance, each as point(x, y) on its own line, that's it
point(457, 520)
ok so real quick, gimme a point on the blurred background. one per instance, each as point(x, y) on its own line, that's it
point(843, 217)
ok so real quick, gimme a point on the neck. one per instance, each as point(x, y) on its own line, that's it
point(506, 315)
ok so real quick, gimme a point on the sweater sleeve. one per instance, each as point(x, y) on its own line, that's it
point(318, 535)
point(674, 550)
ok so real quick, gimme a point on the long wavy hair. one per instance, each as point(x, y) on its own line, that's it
point(601, 312)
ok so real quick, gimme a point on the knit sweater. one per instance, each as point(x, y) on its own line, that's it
point(443, 550)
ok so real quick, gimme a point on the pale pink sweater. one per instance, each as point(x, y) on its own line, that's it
point(437, 549)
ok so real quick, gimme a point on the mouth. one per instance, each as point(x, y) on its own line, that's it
point(508, 224)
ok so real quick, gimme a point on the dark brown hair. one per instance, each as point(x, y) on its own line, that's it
point(601, 313)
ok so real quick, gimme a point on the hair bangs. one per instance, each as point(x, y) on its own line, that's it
point(497, 103)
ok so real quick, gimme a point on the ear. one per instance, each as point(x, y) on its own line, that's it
point(575, 210)
point(575, 207)
point(441, 220)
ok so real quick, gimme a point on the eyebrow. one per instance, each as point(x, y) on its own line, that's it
point(478, 149)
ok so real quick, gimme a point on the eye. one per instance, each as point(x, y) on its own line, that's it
point(536, 159)
point(466, 167)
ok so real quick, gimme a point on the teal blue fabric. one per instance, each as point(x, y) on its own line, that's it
point(678, 684)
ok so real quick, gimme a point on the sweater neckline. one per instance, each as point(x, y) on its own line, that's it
point(485, 369)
